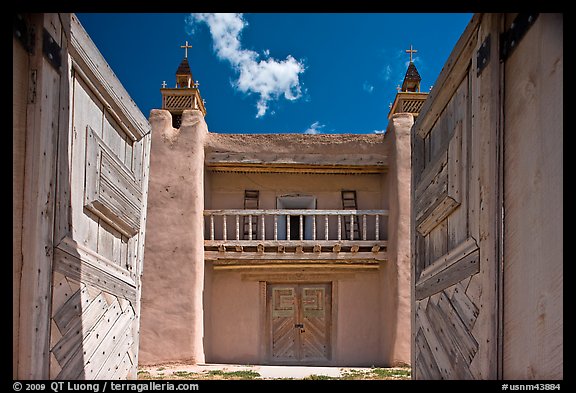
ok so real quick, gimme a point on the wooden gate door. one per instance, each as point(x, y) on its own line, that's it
point(99, 222)
point(300, 322)
point(455, 205)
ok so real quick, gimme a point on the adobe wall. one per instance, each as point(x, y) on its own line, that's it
point(235, 325)
point(395, 274)
point(328, 144)
point(173, 278)
point(226, 191)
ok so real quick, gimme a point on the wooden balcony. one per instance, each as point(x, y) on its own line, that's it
point(288, 236)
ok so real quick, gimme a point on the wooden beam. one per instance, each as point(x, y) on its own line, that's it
point(293, 212)
point(295, 243)
point(296, 266)
point(343, 257)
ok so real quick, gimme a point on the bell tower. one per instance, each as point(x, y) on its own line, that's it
point(409, 99)
point(186, 94)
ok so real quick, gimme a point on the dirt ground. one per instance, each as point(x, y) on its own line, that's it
point(256, 372)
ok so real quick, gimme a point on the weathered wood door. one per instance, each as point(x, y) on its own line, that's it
point(456, 194)
point(86, 187)
point(299, 321)
point(100, 222)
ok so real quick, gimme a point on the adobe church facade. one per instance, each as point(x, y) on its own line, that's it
point(276, 248)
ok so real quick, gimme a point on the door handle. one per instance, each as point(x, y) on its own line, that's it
point(299, 325)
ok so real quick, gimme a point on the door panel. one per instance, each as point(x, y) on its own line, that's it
point(455, 209)
point(300, 322)
point(284, 315)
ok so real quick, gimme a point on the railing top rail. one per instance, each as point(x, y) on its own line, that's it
point(293, 212)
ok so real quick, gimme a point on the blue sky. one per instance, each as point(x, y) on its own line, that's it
point(277, 72)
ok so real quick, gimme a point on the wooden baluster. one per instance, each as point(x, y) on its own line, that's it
point(314, 227)
point(363, 226)
point(237, 227)
point(211, 226)
point(249, 226)
point(339, 227)
point(224, 228)
point(275, 227)
point(326, 227)
point(377, 229)
point(287, 227)
point(263, 237)
point(351, 226)
point(301, 227)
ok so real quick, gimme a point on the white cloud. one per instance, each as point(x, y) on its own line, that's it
point(387, 72)
point(314, 128)
point(269, 78)
point(367, 87)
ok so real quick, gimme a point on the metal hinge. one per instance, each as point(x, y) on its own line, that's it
point(483, 55)
point(23, 33)
point(510, 38)
point(51, 50)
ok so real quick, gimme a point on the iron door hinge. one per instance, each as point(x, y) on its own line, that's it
point(23, 32)
point(483, 55)
point(510, 38)
point(51, 50)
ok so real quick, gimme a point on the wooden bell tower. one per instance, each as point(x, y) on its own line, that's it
point(186, 94)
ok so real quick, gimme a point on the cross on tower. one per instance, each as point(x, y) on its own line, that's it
point(411, 51)
point(185, 47)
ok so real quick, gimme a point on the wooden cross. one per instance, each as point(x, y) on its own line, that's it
point(185, 47)
point(411, 51)
point(164, 84)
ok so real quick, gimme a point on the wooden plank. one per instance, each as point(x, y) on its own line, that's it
point(75, 366)
point(106, 241)
point(425, 362)
point(443, 206)
point(317, 276)
point(89, 61)
point(42, 125)
point(438, 351)
point(112, 191)
point(487, 217)
point(430, 173)
point(122, 368)
point(533, 204)
point(97, 260)
point(281, 266)
point(461, 337)
point(78, 328)
point(54, 367)
point(294, 243)
point(446, 260)
point(294, 212)
point(449, 79)
point(456, 272)
point(467, 310)
point(97, 274)
point(71, 310)
point(61, 291)
point(438, 241)
point(113, 137)
point(457, 368)
point(87, 113)
point(274, 257)
point(21, 77)
point(118, 341)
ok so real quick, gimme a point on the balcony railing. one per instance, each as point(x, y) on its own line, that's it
point(296, 231)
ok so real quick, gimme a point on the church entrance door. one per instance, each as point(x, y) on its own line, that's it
point(299, 321)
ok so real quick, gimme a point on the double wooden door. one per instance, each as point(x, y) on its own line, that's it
point(299, 321)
